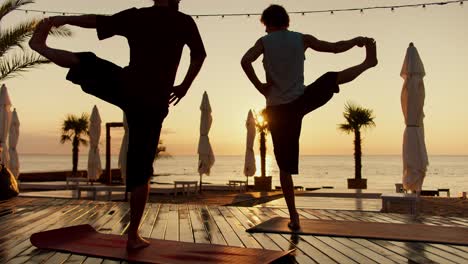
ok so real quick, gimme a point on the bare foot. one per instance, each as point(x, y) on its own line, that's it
point(38, 39)
point(137, 243)
point(371, 54)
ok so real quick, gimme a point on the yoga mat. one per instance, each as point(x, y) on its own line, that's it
point(371, 230)
point(85, 240)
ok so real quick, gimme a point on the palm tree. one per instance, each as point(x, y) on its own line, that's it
point(74, 128)
point(15, 55)
point(261, 124)
point(162, 149)
point(357, 117)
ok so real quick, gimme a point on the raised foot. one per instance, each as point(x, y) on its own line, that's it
point(371, 54)
point(137, 243)
point(39, 37)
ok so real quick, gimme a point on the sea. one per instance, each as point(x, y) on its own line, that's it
point(381, 171)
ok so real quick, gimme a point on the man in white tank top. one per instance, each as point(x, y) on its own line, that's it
point(287, 98)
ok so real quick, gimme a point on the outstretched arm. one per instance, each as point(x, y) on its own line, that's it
point(249, 57)
point(84, 21)
point(333, 47)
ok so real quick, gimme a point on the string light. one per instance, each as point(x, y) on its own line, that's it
point(360, 9)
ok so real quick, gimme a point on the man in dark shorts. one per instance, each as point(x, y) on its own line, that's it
point(143, 90)
point(287, 98)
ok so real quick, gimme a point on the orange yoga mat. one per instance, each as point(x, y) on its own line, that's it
point(370, 230)
point(85, 240)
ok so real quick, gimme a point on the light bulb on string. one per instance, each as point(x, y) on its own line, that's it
point(362, 11)
point(392, 9)
point(332, 13)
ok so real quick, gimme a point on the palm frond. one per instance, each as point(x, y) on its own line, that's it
point(16, 64)
point(11, 5)
point(64, 138)
point(356, 117)
point(16, 36)
point(76, 126)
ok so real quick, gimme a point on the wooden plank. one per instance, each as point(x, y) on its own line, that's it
point(456, 251)
point(16, 242)
point(257, 215)
point(265, 241)
point(39, 256)
point(332, 248)
point(147, 224)
point(227, 221)
point(92, 213)
point(431, 248)
point(198, 228)
point(172, 227)
point(210, 226)
point(185, 226)
point(26, 250)
point(159, 228)
point(304, 251)
point(424, 249)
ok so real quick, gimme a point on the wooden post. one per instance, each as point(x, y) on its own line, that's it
point(108, 150)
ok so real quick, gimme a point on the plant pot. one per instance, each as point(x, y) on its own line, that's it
point(357, 183)
point(262, 184)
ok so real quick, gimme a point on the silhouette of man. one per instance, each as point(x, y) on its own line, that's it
point(287, 98)
point(143, 90)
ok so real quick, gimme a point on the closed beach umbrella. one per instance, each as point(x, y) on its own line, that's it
point(205, 152)
point(123, 151)
point(13, 142)
point(94, 158)
point(415, 158)
point(5, 119)
point(249, 164)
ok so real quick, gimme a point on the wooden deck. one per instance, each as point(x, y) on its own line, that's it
point(21, 217)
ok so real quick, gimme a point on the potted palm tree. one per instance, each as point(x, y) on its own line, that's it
point(357, 117)
point(74, 129)
point(262, 183)
point(14, 56)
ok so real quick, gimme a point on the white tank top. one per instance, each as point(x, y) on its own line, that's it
point(283, 60)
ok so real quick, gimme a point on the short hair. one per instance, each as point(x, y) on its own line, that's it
point(275, 16)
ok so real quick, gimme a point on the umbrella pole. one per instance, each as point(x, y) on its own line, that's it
point(200, 183)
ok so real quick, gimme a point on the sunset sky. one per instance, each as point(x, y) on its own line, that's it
point(43, 97)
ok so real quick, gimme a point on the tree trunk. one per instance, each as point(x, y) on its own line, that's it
point(263, 153)
point(357, 154)
point(75, 152)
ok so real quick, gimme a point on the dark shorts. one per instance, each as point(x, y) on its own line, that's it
point(285, 121)
point(105, 80)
